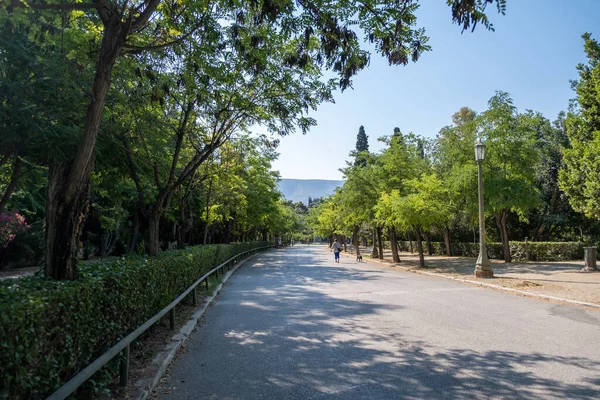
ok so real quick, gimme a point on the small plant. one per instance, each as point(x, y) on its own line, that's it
point(11, 224)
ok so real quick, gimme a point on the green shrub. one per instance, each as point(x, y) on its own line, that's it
point(547, 251)
point(50, 330)
point(538, 251)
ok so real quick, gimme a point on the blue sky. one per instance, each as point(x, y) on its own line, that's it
point(532, 55)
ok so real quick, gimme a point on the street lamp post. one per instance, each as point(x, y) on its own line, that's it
point(483, 268)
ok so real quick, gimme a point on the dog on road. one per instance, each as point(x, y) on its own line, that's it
point(358, 258)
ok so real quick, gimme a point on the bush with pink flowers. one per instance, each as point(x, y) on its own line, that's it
point(11, 224)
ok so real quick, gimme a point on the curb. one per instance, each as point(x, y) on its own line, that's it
point(160, 363)
point(483, 284)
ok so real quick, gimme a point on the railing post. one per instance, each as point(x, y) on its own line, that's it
point(124, 367)
point(194, 297)
point(172, 318)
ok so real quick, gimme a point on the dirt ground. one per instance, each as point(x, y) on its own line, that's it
point(560, 279)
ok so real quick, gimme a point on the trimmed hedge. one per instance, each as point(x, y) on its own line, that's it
point(50, 330)
point(538, 251)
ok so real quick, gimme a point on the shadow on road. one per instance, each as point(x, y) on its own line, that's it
point(285, 337)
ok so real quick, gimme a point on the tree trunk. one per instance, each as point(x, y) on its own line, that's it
point(501, 224)
point(68, 183)
point(205, 241)
point(228, 232)
point(184, 226)
point(374, 254)
point(447, 241)
point(181, 231)
point(410, 242)
point(211, 235)
point(136, 231)
point(344, 243)
point(394, 245)
point(429, 248)
point(356, 243)
point(64, 219)
point(538, 233)
point(420, 247)
point(207, 210)
point(154, 232)
point(379, 243)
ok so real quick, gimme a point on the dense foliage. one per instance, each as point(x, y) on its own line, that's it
point(43, 348)
point(424, 189)
point(520, 251)
point(581, 177)
point(115, 114)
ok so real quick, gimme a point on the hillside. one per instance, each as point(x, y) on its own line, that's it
point(302, 189)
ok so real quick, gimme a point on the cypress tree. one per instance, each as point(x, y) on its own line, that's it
point(362, 140)
point(362, 145)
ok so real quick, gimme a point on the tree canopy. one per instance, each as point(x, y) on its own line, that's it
point(418, 188)
point(580, 178)
point(132, 101)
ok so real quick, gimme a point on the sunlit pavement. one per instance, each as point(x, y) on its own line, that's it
point(292, 324)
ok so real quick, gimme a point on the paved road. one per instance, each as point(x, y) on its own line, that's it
point(292, 324)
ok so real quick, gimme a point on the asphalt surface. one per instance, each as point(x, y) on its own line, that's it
point(292, 324)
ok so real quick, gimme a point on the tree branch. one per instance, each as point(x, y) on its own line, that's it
point(134, 176)
point(131, 49)
point(179, 142)
point(104, 11)
point(145, 15)
point(72, 6)
point(151, 161)
point(4, 158)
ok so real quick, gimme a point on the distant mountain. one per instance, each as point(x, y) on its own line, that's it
point(301, 189)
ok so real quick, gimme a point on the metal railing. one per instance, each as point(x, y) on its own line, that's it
point(123, 345)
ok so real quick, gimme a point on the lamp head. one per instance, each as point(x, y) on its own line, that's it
point(479, 151)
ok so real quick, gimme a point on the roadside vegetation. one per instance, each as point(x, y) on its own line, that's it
point(541, 182)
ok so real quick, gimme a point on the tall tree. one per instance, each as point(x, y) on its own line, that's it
point(555, 214)
point(419, 208)
point(362, 140)
point(509, 164)
point(580, 178)
point(362, 146)
point(400, 161)
point(454, 164)
point(331, 218)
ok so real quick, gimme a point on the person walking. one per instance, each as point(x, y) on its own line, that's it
point(337, 247)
